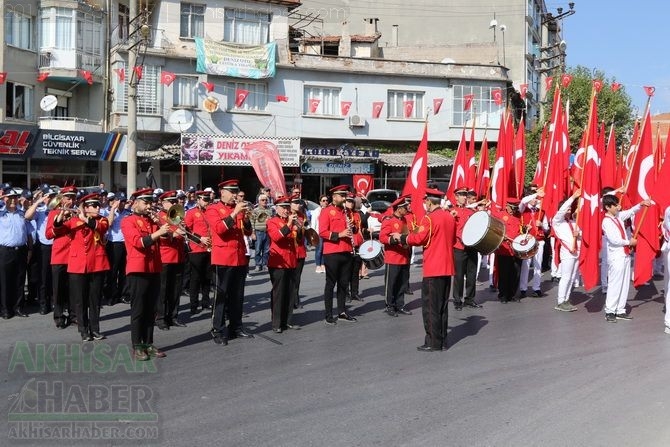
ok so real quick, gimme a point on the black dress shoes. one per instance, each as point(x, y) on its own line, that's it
point(404, 311)
point(473, 305)
point(98, 336)
point(20, 313)
point(426, 348)
point(277, 330)
point(177, 323)
point(458, 305)
point(219, 339)
point(163, 327)
point(242, 334)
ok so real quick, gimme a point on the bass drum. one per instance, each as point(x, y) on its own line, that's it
point(483, 232)
point(525, 246)
point(372, 253)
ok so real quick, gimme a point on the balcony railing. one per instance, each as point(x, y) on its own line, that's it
point(69, 123)
point(68, 60)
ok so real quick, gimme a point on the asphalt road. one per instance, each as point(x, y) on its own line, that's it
point(516, 374)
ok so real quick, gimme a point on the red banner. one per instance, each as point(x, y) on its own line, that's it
point(344, 107)
point(264, 157)
point(363, 183)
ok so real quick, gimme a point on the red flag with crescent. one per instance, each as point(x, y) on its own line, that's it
point(264, 157)
point(88, 76)
point(314, 104)
point(523, 89)
point(167, 78)
point(467, 101)
point(408, 108)
point(363, 183)
point(497, 96)
point(42, 77)
point(138, 69)
point(345, 106)
point(615, 86)
point(121, 73)
point(282, 98)
point(209, 86)
point(377, 107)
point(459, 171)
point(548, 81)
point(437, 104)
point(417, 178)
point(566, 79)
point(3, 77)
point(240, 96)
point(597, 85)
point(483, 171)
point(649, 90)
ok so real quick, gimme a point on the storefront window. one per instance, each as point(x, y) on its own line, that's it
point(60, 172)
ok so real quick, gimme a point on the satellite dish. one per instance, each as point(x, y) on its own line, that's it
point(181, 120)
point(48, 103)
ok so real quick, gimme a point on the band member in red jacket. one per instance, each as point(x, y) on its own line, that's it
point(60, 251)
point(396, 257)
point(301, 250)
point(87, 263)
point(282, 262)
point(200, 255)
point(141, 235)
point(229, 222)
point(465, 258)
point(172, 250)
point(437, 234)
point(508, 265)
point(356, 220)
point(337, 232)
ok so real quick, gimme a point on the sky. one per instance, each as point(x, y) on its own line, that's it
point(626, 40)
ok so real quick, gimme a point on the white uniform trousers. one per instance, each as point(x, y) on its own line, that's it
point(618, 284)
point(555, 268)
point(665, 254)
point(603, 264)
point(569, 264)
point(536, 263)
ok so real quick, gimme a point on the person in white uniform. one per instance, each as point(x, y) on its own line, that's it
point(618, 256)
point(534, 217)
point(665, 250)
point(569, 235)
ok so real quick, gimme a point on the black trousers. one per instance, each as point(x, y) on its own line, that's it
point(13, 262)
point(86, 289)
point(338, 271)
point(61, 293)
point(199, 265)
point(509, 273)
point(296, 284)
point(466, 269)
point(283, 293)
point(356, 264)
point(144, 289)
point(33, 273)
point(228, 299)
point(116, 277)
point(46, 283)
point(168, 301)
point(434, 299)
point(395, 285)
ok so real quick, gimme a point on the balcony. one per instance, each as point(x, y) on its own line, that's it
point(67, 63)
point(69, 123)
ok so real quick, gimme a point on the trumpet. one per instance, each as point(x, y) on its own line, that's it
point(351, 228)
point(56, 203)
point(175, 217)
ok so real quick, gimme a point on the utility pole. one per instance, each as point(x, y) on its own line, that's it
point(131, 173)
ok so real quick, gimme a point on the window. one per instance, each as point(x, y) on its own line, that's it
point(147, 91)
point(124, 22)
point(57, 28)
point(483, 106)
point(19, 30)
point(89, 33)
point(192, 22)
point(19, 101)
point(397, 101)
point(247, 27)
point(328, 99)
point(185, 91)
point(256, 100)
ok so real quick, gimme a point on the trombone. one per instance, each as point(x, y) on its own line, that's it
point(56, 203)
point(175, 217)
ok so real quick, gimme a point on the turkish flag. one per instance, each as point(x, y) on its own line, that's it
point(408, 108)
point(437, 104)
point(88, 76)
point(589, 216)
point(240, 96)
point(417, 177)
point(499, 183)
point(483, 171)
point(209, 86)
point(363, 183)
point(496, 94)
point(314, 104)
point(661, 193)
point(641, 175)
point(121, 73)
point(540, 168)
point(608, 171)
point(615, 86)
point(377, 107)
point(138, 69)
point(557, 162)
point(548, 81)
point(167, 78)
point(459, 169)
point(566, 79)
point(597, 85)
point(344, 107)
point(649, 90)
point(3, 77)
point(520, 159)
point(264, 157)
point(281, 98)
point(467, 101)
point(523, 88)
point(471, 172)
point(42, 77)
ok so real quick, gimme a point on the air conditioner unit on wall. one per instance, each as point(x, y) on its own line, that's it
point(356, 121)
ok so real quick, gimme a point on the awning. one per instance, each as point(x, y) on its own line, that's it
point(165, 152)
point(405, 160)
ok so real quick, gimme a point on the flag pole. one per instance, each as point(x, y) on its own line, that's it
point(637, 143)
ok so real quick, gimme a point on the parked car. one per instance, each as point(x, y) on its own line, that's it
point(375, 210)
point(387, 195)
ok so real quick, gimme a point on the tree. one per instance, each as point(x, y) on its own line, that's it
point(613, 107)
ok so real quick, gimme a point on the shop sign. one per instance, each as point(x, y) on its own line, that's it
point(341, 152)
point(336, 167)
point(23, 142)
point(235, 151)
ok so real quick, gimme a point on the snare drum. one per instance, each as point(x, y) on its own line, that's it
point(372, 253)
point(483, 232)
point(525, 246)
